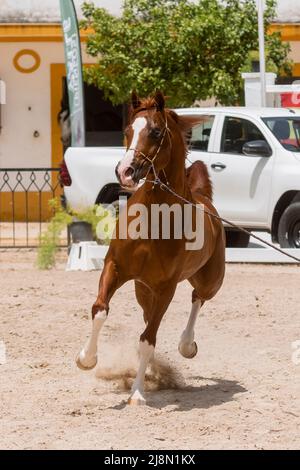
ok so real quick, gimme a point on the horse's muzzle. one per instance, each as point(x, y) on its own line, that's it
point(128, 176)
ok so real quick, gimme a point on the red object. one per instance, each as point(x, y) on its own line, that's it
point(65, 177)
point(290, 100)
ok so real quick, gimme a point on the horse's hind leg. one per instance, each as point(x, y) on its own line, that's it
point(87, 358)
point(206, 282)
point(154, 311)
point(187, 346)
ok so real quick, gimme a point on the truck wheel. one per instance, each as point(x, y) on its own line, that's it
point(235, 239)
point(289, 227)
point(110, 195)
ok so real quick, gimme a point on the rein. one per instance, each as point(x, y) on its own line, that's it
point(157, 182)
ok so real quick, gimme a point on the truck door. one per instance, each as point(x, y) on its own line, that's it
point(242, 184)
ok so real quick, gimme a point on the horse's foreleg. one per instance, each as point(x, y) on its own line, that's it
point(187, 346)
point(160, 304)
point(87, 358)
point(145, 298)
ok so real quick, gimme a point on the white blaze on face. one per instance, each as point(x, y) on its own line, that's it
point(138, 125)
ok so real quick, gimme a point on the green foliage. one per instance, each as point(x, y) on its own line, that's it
point(278, 53)
point(102, 222)
point(190, 50)
point(253, 56)
point(49, 241)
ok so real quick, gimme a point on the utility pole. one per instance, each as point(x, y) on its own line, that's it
point(262, 59)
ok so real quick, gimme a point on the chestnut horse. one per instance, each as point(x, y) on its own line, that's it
point(156, 146)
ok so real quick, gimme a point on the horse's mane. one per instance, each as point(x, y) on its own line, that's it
point(185, 123)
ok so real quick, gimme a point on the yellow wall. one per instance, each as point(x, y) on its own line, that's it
point(43, 94)
point(25, 207)
point(34, 33)
point(34, 199)
point(289, 32)
point(57, 72)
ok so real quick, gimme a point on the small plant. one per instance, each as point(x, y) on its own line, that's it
point(102, 221)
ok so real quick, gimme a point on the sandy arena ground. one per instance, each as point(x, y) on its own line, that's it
point(241, 391)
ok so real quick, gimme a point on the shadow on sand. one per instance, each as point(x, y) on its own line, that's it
point(187, 398)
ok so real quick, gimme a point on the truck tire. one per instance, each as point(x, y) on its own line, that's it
point(110, 195)
point(236, 239)
point(289, 227)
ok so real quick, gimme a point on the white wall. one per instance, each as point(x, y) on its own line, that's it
point(18, 147)
point(45, 10)
point(288, 11)
point(48, 10)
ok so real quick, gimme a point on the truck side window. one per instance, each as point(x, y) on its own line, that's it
point(200, 136)
point(236, 133)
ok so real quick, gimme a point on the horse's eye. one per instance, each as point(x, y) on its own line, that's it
point(155, 132)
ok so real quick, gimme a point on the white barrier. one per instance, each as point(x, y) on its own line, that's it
point(252, 88)
point(86, 256)
point(260, 255)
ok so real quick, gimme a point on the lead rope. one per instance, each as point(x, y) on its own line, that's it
point(157, 182)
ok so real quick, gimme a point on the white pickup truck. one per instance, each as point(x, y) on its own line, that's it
point(253, 157)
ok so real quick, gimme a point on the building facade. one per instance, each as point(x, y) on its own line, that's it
point(32, 68)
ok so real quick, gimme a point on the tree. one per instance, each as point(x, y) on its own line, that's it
point(190, 50)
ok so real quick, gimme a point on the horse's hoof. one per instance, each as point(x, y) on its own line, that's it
point(188, 351)
point(136, 399)
point(86, 367)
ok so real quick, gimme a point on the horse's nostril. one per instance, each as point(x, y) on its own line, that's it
point(129, 172)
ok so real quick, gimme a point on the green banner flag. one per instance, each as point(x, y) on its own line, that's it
point(74, 71)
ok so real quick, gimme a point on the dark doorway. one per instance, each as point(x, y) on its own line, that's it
point(104, 122)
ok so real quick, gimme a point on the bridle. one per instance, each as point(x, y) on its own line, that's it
point(151, 160)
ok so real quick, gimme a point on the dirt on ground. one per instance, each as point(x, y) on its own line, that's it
point(242, 390)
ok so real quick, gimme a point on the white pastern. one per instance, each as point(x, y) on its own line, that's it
point(146, 353)
point(186, 344)
point(88, 355)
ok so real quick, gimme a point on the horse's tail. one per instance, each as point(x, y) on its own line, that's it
point(199, 180)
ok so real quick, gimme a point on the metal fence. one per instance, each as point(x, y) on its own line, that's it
point(24, 204)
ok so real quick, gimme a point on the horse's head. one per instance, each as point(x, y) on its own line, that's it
point(147, 140)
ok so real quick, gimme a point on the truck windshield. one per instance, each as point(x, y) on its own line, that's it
point(286, 130)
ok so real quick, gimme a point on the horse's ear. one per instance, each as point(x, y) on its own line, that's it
point(159, 100)
point(135, 101)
